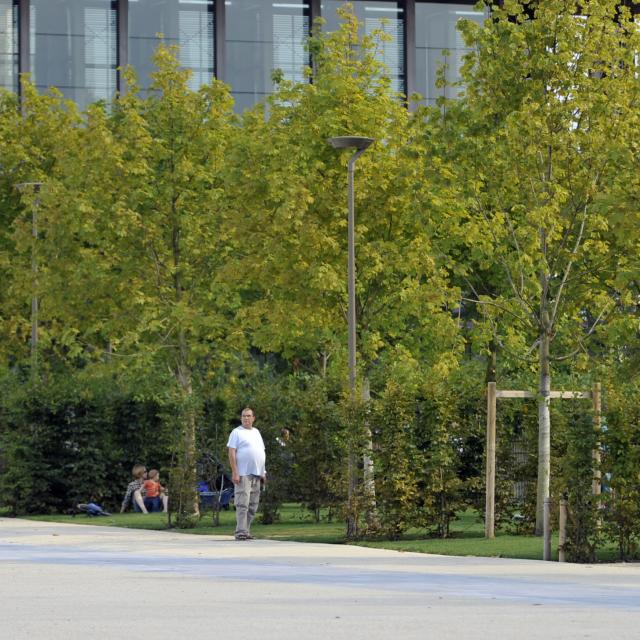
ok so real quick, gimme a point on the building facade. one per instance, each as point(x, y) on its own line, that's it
point(79, 45)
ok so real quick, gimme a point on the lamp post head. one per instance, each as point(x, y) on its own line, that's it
point(350, 142)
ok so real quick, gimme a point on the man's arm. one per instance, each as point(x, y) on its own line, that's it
point(235, 476)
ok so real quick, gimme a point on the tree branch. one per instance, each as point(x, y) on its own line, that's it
point(523, 303)
point(568, 268)
point(581, 340)
point(525, 321)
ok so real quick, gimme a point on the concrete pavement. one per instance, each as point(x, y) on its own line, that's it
point(60, 581)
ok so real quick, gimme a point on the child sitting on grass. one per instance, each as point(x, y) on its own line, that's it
point(155, 498)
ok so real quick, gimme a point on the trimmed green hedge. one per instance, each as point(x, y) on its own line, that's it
point(66, 442)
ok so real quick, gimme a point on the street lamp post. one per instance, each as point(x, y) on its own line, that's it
point(359, 144)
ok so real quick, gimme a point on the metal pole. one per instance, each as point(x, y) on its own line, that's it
point(34, 298)
point(546, 523)
point(562, 530)
point(490, 501)
point(352, 528)
point(360, 144)
point(351, 269)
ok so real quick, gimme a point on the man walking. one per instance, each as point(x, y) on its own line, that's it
point(247, 460)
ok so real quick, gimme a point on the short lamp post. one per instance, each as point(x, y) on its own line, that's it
point(359, 144)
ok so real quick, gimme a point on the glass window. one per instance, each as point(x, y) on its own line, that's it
point(8, 44)
point(262, 36)
point(387, 16)
point(74, 48)
point(186, 23)
point(436, 30)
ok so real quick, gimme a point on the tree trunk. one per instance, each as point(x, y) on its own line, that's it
point(188, 463)
point(324, 361)
point(187, 498)
point(492, 364)
point(544, 429)
point(367, 460)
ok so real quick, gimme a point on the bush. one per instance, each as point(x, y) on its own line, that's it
point(621, 469)
point(68, 441)
point(577, 473)
point(398, 462)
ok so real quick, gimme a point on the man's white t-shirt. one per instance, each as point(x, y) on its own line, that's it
point(250, 454)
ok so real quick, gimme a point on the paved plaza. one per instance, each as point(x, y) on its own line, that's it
point(60, 581)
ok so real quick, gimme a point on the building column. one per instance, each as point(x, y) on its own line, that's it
point(123, 42)
point(219, 37)
point(314, 11)
point(409, 47)
point(24, 45)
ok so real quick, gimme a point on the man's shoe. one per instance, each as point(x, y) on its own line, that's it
point(242, 536)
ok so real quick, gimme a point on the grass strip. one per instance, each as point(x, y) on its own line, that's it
point(297, 525)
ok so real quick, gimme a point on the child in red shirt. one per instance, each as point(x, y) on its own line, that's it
point(155, 495)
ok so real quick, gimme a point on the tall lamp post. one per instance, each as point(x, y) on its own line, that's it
point(359, 144)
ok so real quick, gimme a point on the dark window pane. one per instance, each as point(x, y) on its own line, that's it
point(186, 23)
point(386, 16)
point(262, 36)
point(435, 31)
point(8, 44)
point(74, 48)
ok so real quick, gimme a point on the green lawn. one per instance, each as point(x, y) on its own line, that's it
point(467, 535)
point(295, 524)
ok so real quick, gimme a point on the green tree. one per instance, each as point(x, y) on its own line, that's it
point(293, 213)
point(549, 99)
point(133, 242)
point(34, 134)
